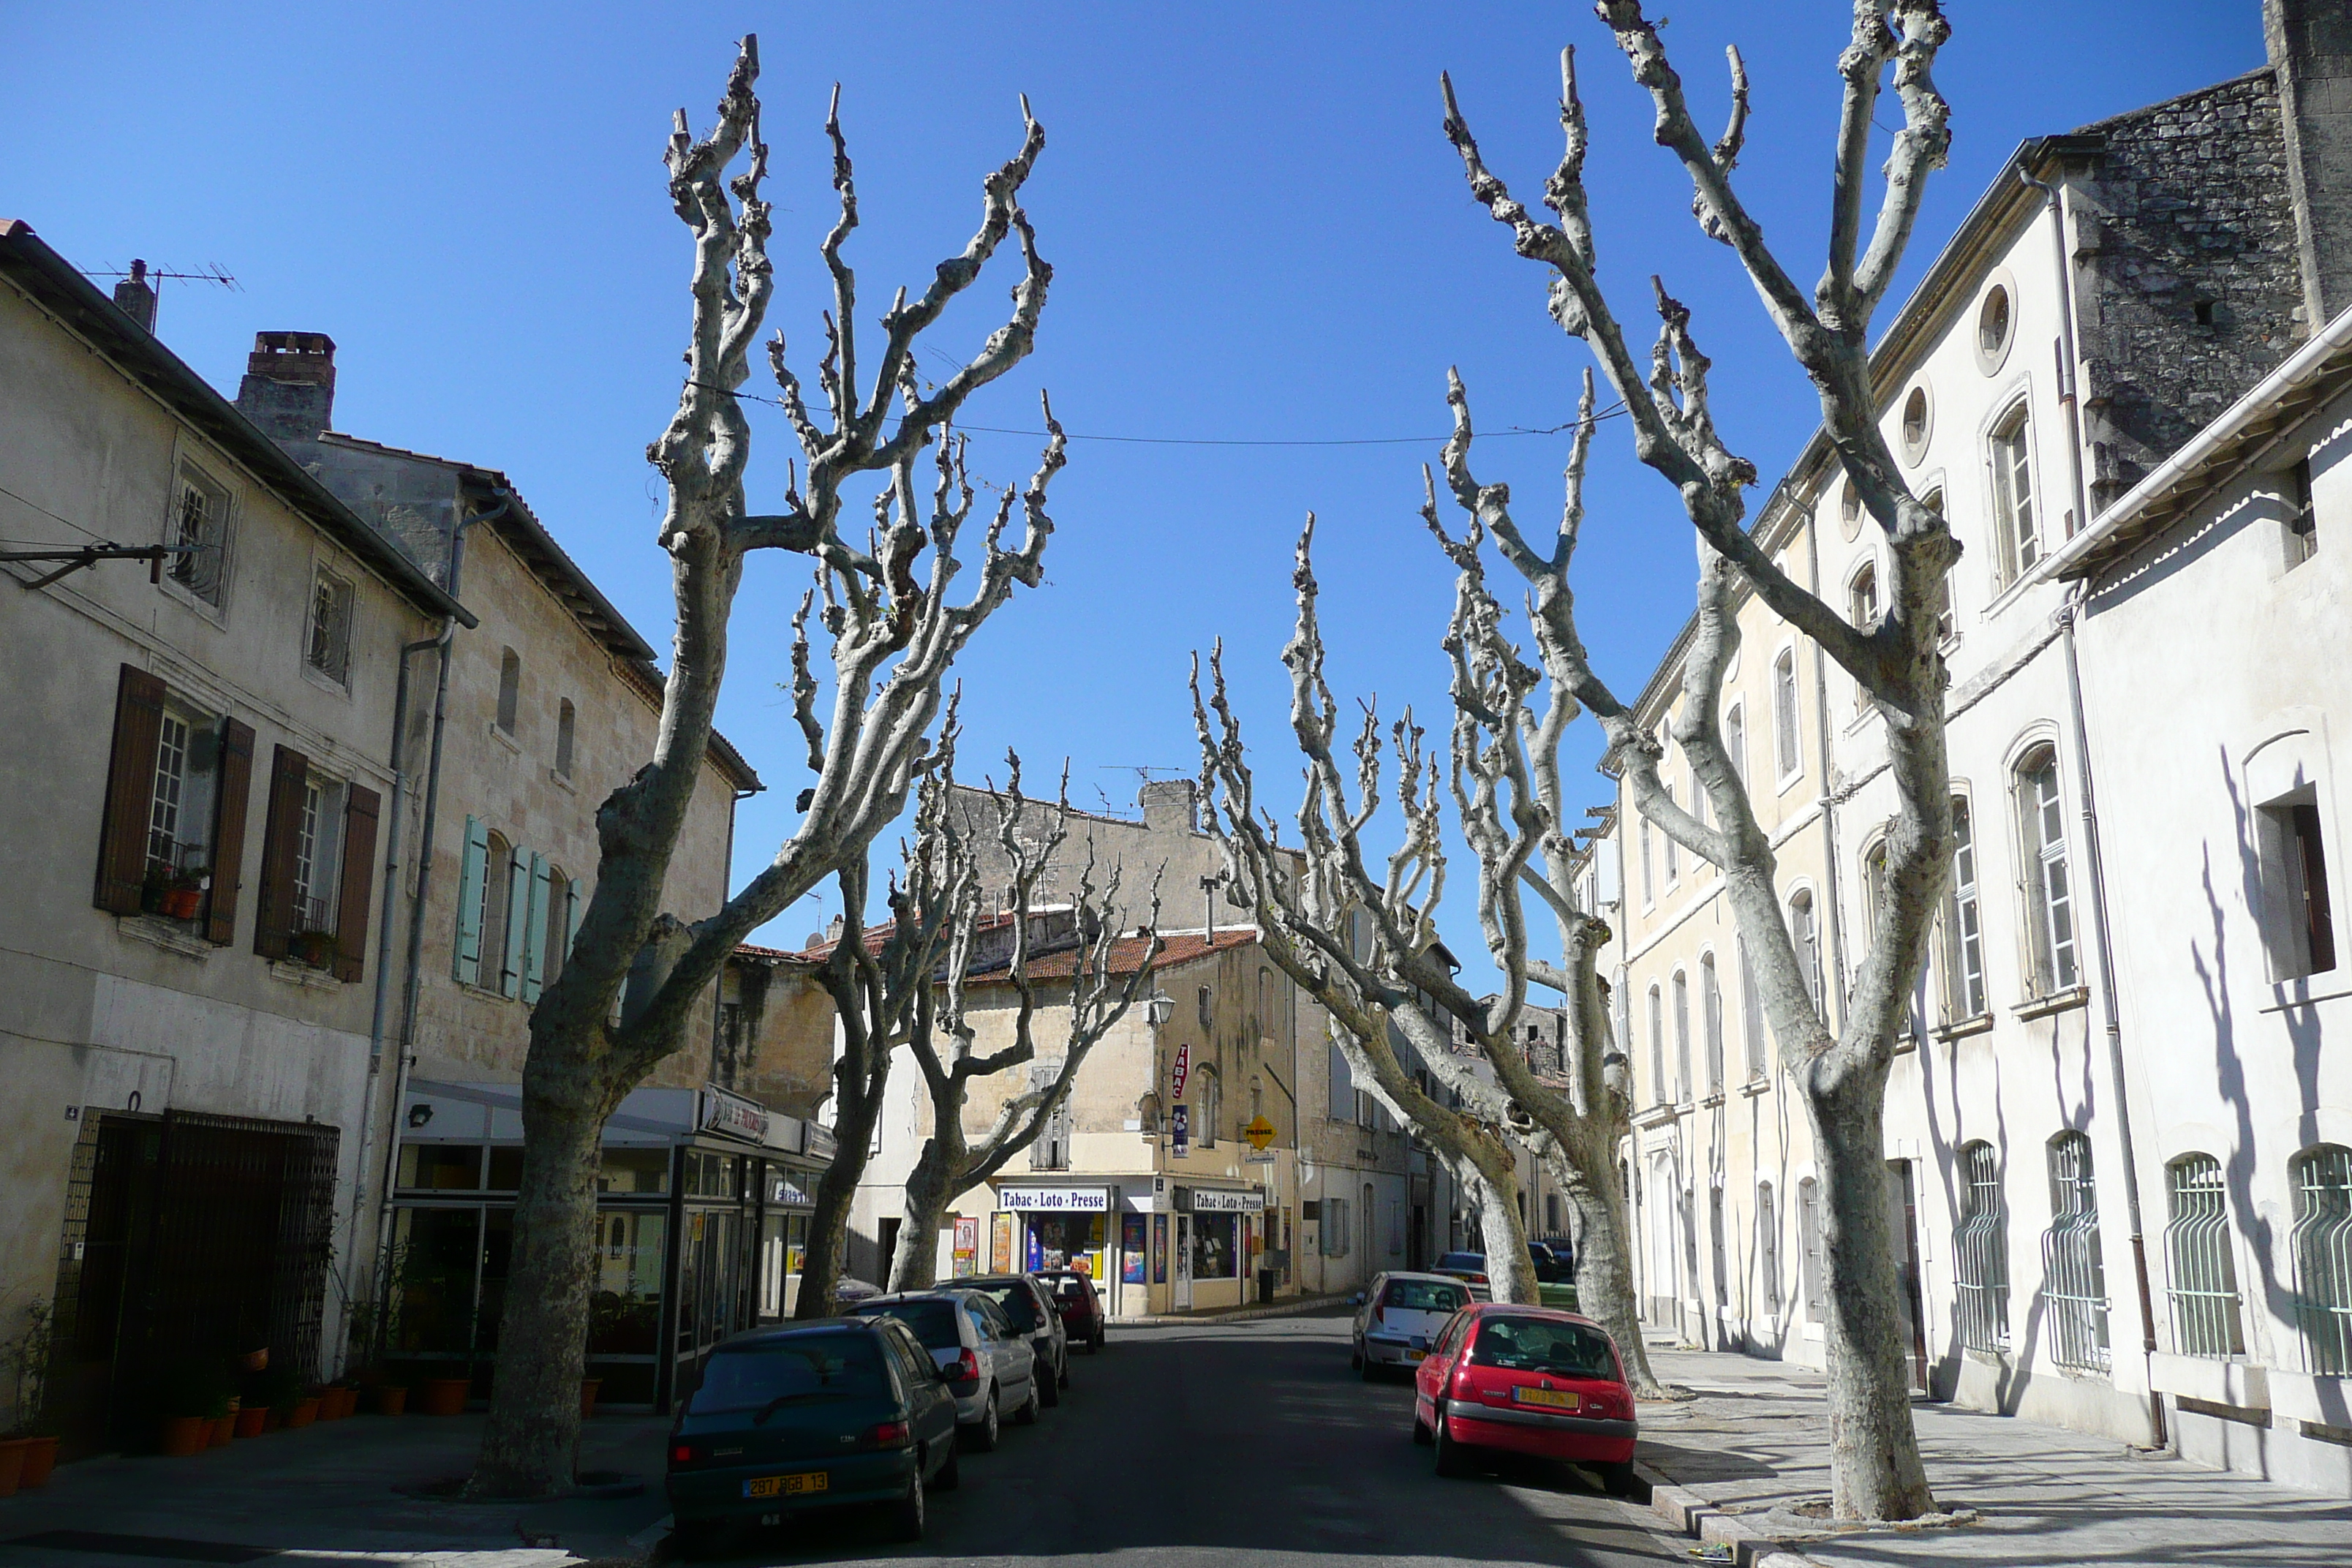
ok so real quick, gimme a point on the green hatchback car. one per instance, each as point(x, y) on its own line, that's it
point(832, 1413)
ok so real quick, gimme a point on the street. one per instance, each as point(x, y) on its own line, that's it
point(1245, 1442)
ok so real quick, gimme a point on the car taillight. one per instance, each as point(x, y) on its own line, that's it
point(683, 1454)
point(889, 1434)
point(966, 1368)
point(1477, 1280)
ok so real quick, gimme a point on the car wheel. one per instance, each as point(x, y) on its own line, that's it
point(985, 1435)
point(1355, 1357)
point(911, 1513)
point(1420, 1428)
point(950, 1474)
point(1451, 1459)
point(694, 1538)
point(1371, 1370)
point(1027, 1415)
point(1618, 1477)
point(1066, 1367)
point(1102, 1336)
point(1049, 1386)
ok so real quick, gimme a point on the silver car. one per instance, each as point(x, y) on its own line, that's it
point(987, 1360)
point(1400, 1316)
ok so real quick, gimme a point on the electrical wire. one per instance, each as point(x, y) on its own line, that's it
point(44, 511)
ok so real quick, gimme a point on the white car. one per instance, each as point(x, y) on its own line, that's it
point(1400, 1316)
point(987, 1360)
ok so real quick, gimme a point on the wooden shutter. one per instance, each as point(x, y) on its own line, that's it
point(518, 912)
point(535, 929)
point(273, 920)
point(228, 832)
point(359, 810)
point(473, 866)
point(130, 791)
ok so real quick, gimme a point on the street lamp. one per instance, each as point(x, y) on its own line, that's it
point(1158, 1007)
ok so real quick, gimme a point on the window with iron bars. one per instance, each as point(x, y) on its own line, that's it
point(1981, 1252)
point(2322, 1243)
point(2074, 1279)
point(2203, 1285)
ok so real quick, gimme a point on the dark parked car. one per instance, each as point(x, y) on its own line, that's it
point(1029, 1304)
point(1079, 1303)
point(831, 1413)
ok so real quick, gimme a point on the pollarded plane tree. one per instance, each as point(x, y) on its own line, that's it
point(1363, 942)
point(897, 621)
point(942, 1044)
point(1875, 1467)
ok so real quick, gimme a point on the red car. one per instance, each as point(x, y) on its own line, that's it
point(1525, 1380)
point(1081, 1308)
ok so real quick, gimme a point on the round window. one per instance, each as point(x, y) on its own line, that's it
point(1848, 511)
point(1994, 328)
point(1915, 425)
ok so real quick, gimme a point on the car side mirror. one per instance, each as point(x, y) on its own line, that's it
point(1357, 1299)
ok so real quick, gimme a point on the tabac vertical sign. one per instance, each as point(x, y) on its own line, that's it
point(1183, 1071)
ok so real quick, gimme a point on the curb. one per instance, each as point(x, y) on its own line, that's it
point(1696, 1516)
point(1238, 1315)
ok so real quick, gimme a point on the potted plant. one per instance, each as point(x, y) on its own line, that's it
point(279, 1392)
point(445, 1396)
point(191, 1396)
point(152, 887)
point(390, 1398)
point(588, 1390)
point(313, 947)
point(185, 895)
point(30, 1448)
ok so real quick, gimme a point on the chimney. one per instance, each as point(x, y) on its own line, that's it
point(1168, 806)
point(135, 298)
point(289, 384)
point(2310, 47)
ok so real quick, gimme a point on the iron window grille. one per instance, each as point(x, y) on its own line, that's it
point(1768, 1248)
point(2203, 1286)
point(2074, 1278)
point(1809, 1237)
point(2322, 1245)
point(329, 650)
point(199, 526)
point(1981, 1252)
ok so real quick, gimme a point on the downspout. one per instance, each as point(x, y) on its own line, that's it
point(2110, 1007)
point(423, 882)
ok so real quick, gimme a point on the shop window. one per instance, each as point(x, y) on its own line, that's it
point(716, 1176)
point(436, 1258)
point(634, 1170)
point(2322, 1243)
point(2074, 1276)
point(1980, 1251)
point(1216, 1249)
point(624, 1304)
point(440, 1167)
point(506, 1169)
point(2203, 1285)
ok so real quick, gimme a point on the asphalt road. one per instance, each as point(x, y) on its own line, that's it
point(1248, 1443)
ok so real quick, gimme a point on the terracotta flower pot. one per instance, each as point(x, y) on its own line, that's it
point(12, 1465)
point(40, 1458)
point(445, 1396)
point(271, 1420)
point(182, 903)
point(334, 1404)
point(224, 1428)
point(305, 1411)
point(588, 1387)
point(390, 1399)
point(252, 1423)
point(184, 1435)
point(254, 1360)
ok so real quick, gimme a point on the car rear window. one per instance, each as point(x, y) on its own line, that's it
point(1424, 1296)
point(933, 1322)
point(1064, 1284)
point(1468, 1262)
point(1543, 1344)
point(1018, 1304)
point(755, 1376)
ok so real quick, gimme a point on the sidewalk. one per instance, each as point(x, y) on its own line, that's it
point(1758, 1436)
point(326, 1494)
point(1296, 1305)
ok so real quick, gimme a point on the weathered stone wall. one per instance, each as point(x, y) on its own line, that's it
point(2188, 286)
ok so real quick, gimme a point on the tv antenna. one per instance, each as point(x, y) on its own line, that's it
point(210, 273)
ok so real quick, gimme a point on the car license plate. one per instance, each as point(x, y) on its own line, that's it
point(787, 1486)
point(1555, 1398)
point(1416, 1355)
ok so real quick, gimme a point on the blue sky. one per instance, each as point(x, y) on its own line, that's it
point(1258, 233)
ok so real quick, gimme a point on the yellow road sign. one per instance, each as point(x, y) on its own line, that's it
point(1260, 1133)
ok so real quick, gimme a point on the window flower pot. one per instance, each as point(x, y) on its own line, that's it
point(390, 1399)
point(254, 1360)
point(223, 1429)
point(305, 1411)
point(184, 1437)
point(315, 948)
point(588, 1387)
point(40, 1458)
point(335, 1402)
point(252, 1423)
point(12, 1465)
point(182, 903)
point(445, 1396)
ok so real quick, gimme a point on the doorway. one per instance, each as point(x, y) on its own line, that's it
point(1184, 1263)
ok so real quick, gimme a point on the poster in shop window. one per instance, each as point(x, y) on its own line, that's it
point(967, 1245)
point(1130, 1248)
point(1159, 1249)
point(1000, 1244)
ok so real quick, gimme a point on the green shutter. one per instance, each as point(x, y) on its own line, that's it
point(518, 913)
point(534, 929)
point(473, 867)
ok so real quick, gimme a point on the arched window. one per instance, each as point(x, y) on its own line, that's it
point(2049, 888)
point(1809, 1238)
point(556, 947)
point(1768, 1248)
point(497, 894)
point(509, 690)
point(2017, 542)
point(1735, 740)
point(1784, 714)
point(1649, 882)
point(566, 722)
point(2322, 1243)
point(1862, 597)
point(1710, 1008)
point(1964, 967)
point(1805, 936)
point(1674, 863)
point(2200, 1259)
point(1682, 1037)
point(1205, 1134)
point(1657, 1048)
point(1980, 1251)
point(2074, 1277)
point(1873, 888)
point(1751, 1015)
point(1945, 625)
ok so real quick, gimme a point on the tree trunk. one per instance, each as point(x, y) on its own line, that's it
point(1874, 1465)
point(1605, 1270)
point(836, 1190)
point(530, 1450)
point(916, 1267)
